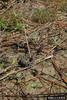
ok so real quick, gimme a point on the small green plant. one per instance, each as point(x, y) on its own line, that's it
point(34, 85)
point(14, 24)
point(3, 24)
point(3, 62)
point(2, 65)
point(20, 26)
point(42, 15)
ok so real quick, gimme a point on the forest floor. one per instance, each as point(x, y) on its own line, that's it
point(33, 48)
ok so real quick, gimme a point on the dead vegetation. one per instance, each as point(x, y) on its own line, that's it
point(33, 48)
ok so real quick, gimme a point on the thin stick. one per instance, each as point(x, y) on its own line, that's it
point(43, 59)
point(53, 82)
point(58, 71)
point(27, 43)
point(14, 72)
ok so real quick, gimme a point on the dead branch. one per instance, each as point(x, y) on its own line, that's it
point(58, 71)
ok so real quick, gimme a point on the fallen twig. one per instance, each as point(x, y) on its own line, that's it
point(14, 72)
point(27, 43)
point(53, 82)
point(43, 59)
point(58, 71)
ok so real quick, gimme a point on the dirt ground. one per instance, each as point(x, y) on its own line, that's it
point(33, 48)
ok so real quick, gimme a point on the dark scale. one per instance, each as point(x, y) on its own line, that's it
point(21, 45)
point(25, 48)
point(16, 46)
point(38, 50)
point(22, 63)
point(30, 59)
